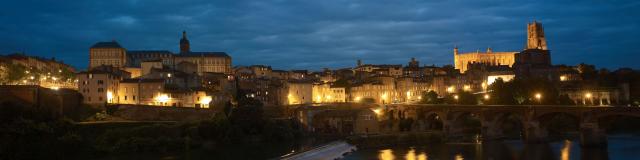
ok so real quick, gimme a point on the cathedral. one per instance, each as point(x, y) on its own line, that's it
point(535, 40)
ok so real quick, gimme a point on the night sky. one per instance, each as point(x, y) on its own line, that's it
point(313, 34)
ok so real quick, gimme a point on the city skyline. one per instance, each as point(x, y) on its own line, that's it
point(326, 35)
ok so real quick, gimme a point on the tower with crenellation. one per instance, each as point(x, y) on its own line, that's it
point(535, 36)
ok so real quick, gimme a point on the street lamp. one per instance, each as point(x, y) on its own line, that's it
point(588, 96)
point(538, 97)
point(384, 97)
point(486, 97)
point(451, 89)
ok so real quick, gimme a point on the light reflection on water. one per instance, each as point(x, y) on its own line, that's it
point(413, 156)
point(620, 147)
point(386, 154)
point(566, 150)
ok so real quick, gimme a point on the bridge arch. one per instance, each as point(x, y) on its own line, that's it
point(618, 122)
point(559, 123)
point(599, 116)
point(464, 122)
point(511, 124)
point(429, 120)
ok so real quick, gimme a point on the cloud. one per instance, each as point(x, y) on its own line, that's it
point(290, 34)
point(123, 20)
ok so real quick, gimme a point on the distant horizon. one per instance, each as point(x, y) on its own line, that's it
point(326, 34)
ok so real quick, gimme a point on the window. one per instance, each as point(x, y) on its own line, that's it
point(100, 90)
point(125, 98)
point(99, 98)
point(134, 98)
point(100, 82)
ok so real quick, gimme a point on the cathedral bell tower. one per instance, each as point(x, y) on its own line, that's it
point(535, 36)
point(184, 43)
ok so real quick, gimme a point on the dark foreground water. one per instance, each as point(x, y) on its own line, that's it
point(620, 147)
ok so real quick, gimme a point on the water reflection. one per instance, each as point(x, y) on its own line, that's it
point(566, 149)
point(386, 154)
point(537, 152)
point(498, 150)
point(411, 155)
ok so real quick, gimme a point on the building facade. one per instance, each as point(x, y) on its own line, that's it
point(107, 53)
point(100, 85)
point(535, 40)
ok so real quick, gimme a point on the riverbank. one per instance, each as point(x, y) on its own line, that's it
point(330, 151)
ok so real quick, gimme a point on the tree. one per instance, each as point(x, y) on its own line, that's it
point(461, 97)
point(523, 91)
point(16, 73)
point(430, 97)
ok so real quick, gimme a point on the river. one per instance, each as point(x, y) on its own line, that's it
point(624, 147)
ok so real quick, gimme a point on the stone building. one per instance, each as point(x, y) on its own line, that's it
point(535, 41)
point(462, 60)
point(409, 90)
point(297, 92)
point(99, 85)
point(326, 93)
point(601, 96)
point(380, 90)
point(261, 71)
point(136, 57)
point(380, 69)
point(107, 53)
point(111, 53)
point(216, 62)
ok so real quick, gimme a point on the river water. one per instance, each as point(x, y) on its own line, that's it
point(623, 147)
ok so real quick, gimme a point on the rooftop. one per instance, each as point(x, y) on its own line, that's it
point(205, 54)
point(112, 44)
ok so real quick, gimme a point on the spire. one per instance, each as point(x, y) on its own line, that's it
point(184, 43)
point(455, 50)
point(489, 50)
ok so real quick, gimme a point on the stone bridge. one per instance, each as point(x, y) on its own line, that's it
point(533, 119)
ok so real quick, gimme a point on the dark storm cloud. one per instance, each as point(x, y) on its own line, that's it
point(328, 33)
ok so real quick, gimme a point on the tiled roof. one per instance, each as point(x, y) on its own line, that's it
point(143, 80)
point(148, 52)
point(112, 44)
point(205, 54)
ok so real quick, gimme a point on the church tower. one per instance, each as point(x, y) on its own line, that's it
point(456, 61)
point(184, 43)
point(535, 36)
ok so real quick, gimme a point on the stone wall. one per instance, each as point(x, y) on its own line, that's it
point(155, 113)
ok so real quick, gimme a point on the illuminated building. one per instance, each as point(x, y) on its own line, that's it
point(298, 92)
point(112, 54)
point(381, 90)
point(536, 41)
point(100, 85)
point(325, 93)
point(107, 53)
